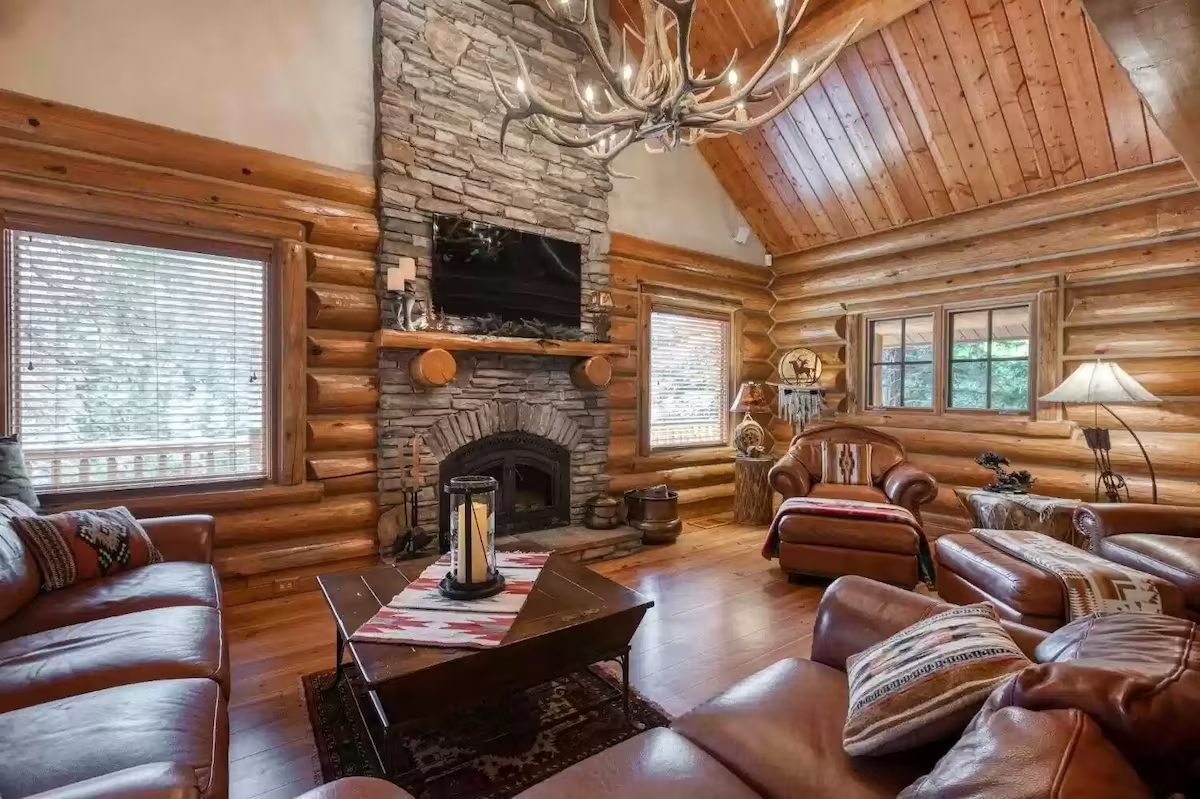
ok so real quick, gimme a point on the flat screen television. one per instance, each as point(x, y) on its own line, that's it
point(481, 269)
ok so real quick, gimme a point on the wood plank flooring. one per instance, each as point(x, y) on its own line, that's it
point(721, 613)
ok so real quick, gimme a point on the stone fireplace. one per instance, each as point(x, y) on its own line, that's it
point(518, 417)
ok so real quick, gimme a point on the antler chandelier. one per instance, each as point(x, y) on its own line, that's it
point(661, 100)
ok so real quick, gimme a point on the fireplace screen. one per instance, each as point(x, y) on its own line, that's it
point(534, 475)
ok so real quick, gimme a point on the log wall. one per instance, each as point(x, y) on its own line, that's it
point(1112, 268)
point(641, 269)
point(320, 513)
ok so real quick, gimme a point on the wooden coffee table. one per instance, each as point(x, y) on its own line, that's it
point(572, 619)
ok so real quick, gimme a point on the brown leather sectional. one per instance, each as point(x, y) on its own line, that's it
point(115, 687)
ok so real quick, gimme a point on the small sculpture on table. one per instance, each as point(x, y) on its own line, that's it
point(600, 307)
point(1005, 482)
point(749, 437)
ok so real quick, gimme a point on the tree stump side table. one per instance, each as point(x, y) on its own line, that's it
point(1050, 516)
point(751, 491)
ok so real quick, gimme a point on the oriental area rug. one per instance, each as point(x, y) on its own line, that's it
point(494, 750)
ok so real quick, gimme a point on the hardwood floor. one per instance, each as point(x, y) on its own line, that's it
point(721, 613)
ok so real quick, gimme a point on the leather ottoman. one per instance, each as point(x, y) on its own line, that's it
point(969, 570)
point(824, 546)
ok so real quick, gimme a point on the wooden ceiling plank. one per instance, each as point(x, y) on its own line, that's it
point(796, 219)
point(979, 90)
point(1032, 40)
point(1122, 106)
point(744, 193)
point(1008, 79)
point(778, 143)
point(1072, 51)
point(796, 144)
point(830, 166)
point(873, 114)
point(1161, 148)
point(891, 94)
point(1156, 45)
point(951, 101)
point(921, 99)
point(854, 121)
point(859, 173)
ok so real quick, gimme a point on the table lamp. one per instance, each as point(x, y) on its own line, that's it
point(748, 436)
point(1100, 384)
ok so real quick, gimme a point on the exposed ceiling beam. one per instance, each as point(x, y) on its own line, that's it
point(825, 27)
point(1155, 41)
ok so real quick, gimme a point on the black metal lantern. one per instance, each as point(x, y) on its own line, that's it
point(473, 573)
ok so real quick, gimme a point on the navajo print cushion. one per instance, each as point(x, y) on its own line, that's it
point(82, 545)
point(845, 464)
point(927, 681)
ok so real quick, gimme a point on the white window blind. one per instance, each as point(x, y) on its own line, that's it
point(689, 380)
point(134, 365)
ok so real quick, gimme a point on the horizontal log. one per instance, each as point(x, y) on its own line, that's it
point(653, 252)
point(629, 275)
point(625, 303)
point(340, 434)
point(756, 323)
point(1119, 340)
point(1081, 198)
point(999, 291)
point(243, 561)
point(341, 269)
point(459, 342)
point(1000, 425)
point(681, 477)
point(332, 393)
point(755, 370)
point(673, 459)
point(622, 451)
point(325, 467)
point(806, 332)
point(622, 423)
point(717, 506)
point(1167, 417)
point(1118, 227)
point(1166, 377)
point(592, 373)
point(35, 195)
point(622, 394)
point(691, 496)
point(335, 308)
point(201, 502)
point(32, 119)
point(245, 589)
point(364, 483)
point(360, 233)
point(625, 331)
point(756, 347)
point(1134, 300)
point(330, 348)
point(796, 309)
point(257, 525)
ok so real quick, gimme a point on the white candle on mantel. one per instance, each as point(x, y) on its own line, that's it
point(479, 531)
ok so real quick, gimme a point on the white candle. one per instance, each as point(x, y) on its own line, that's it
point(397, 276)
point(479, 532)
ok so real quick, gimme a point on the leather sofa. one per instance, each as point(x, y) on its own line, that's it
point(115, 687)
point(1163, 540)
point(778, 733)
point(824, 546)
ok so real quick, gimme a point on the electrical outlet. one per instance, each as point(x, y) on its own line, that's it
point(285, 584)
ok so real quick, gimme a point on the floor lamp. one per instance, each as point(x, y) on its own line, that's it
point(1101, 384)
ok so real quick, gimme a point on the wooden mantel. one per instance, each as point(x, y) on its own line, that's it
point(428, 340)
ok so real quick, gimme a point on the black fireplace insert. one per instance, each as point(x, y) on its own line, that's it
point(534, 475)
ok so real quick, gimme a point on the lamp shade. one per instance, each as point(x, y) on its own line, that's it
point(751, 398)
point(1101, 382)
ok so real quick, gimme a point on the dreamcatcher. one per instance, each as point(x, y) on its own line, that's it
point(800, 399)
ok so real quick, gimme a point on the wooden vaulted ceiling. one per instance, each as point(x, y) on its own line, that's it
point(955, 105)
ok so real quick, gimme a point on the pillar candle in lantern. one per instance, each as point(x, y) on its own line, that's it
point(476, 542)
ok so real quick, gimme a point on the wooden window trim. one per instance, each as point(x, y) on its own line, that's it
point(869, 360)
point(285, 328)
point(1030, 359)
point(941, 354)
point(650, 302)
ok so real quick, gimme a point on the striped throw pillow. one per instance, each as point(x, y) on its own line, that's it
point(926, 682)
point(845, 464)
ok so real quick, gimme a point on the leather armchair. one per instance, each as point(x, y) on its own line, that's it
point(894, 478)
point(1163, 540)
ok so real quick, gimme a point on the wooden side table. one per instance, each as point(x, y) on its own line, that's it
point(751, 490)
point(992, 510)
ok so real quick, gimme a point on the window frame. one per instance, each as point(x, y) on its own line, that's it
point(871, 363)
point(942, 352)
point(651, 304)
point(990, 359)
point(283, 412)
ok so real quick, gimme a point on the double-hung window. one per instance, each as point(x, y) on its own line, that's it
point(989, 359)
point(135, 360)
point(901, 373)
point(688, 381)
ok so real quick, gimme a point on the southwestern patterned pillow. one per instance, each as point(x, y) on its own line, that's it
point(81, 545)
point(927, 681)
point(845, 464)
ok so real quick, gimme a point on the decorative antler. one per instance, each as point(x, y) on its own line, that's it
point(660, 102)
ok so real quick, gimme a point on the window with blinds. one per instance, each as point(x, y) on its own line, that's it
point(134, 365)
point(689, 380)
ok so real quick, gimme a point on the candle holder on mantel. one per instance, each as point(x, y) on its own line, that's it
point(473, 573)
